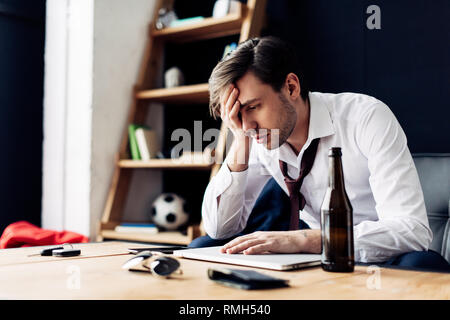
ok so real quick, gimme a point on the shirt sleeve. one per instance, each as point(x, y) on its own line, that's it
point(230, 197)
point(402, 224)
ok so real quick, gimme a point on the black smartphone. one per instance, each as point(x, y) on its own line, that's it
point(166, 250)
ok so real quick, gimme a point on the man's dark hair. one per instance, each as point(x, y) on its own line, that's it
point(270, 59)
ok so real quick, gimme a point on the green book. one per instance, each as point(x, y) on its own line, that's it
point(134, 149)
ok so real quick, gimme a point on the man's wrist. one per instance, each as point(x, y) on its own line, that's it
point(310, 240)
point(239, 154)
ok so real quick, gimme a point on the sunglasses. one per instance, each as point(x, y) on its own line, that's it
point(154, 262)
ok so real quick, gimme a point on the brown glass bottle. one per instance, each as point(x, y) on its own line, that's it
point(337, 220)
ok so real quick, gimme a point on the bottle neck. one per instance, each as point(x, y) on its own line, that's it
point(335, 174)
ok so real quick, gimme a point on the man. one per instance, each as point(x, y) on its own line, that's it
point(259, 92)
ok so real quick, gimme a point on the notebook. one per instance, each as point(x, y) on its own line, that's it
point(278, 261)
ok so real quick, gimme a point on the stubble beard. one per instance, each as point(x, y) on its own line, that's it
point(286, 123)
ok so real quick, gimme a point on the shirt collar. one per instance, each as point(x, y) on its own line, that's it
point(320, 125)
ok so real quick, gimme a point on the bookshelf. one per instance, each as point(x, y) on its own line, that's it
point(207, 29)
point(164, 164)
point(246, 22)
point(197, 93)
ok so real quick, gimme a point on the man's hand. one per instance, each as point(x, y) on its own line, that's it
point(306, 241)
point(229, 112)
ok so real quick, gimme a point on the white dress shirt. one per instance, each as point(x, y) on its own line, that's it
point(381, 180)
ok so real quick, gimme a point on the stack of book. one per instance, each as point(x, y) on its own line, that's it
point(204, 156)
point(143, 142)
point(127, 227)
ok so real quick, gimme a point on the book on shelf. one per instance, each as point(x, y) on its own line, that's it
point(134, 149)
point(204, 157)
point(148, 228)
point(228, 49)
point(147, 143)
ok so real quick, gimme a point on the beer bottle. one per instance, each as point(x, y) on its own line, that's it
point(336, 220)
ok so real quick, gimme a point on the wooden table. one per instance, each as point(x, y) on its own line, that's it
point(97, 274)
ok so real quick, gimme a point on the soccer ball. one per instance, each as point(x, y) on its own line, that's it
point(169, 211)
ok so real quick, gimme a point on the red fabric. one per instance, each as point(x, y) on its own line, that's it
point(25, 234)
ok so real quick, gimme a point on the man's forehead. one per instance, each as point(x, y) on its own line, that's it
point(250, 89)
point(248, 80)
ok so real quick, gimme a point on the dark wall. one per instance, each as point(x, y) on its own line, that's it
point(22, 30)
point(405, 64)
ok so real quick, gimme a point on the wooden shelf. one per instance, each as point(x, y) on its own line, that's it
point(169, 237)
point(197, 93)
point(246, 22)
point(164, 164)
point(208, 28)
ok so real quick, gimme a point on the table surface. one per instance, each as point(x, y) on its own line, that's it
point(97, 274)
